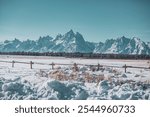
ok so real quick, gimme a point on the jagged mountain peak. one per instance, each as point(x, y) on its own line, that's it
point(59, 36)
point(70, 37)
point(122, 37)
point(70, 34)
point(16, 39)
point(136, 39)
point(71, 42)
point(71, 31)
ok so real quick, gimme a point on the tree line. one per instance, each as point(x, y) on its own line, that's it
point(80, 55)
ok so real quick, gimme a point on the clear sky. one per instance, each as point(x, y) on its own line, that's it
point(96, 20)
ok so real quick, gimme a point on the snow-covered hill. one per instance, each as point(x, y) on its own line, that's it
point(74, 42)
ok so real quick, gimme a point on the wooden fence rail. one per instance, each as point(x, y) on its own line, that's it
point(75, 65)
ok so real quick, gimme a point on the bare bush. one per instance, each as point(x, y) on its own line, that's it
point(42, 73)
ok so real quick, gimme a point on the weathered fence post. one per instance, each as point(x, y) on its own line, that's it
point(13, 63)
point(148, 64)
point(125, 68)
point(53, 65)
point(31, 64)
point(75, 67)
point(98, 66)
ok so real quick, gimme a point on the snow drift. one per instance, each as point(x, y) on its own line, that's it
point(56, 90)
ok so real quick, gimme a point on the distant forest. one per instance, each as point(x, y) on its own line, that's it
point(80, 55)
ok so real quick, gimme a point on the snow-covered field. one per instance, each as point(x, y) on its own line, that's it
point(43, 82)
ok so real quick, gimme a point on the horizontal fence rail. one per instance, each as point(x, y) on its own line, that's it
point(74, 64)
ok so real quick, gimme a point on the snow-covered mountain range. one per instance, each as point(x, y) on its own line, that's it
point(74, 42)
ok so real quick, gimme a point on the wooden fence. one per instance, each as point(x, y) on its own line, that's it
point(75, 65)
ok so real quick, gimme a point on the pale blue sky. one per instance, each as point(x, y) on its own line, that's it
point(96, 20)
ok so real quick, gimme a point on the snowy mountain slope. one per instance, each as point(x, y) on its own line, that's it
point(148, 43)
point(74, 42)
point(98, 47)
point(123, 45)
point(139, 46)
point(10, 45)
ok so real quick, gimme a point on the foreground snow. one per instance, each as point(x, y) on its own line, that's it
point(42, 82)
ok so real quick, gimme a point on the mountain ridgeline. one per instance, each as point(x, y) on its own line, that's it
point(74, 42)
